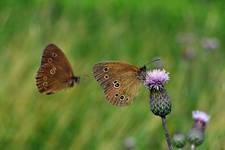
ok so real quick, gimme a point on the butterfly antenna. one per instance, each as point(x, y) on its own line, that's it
point(156, 62)
point(84, 77)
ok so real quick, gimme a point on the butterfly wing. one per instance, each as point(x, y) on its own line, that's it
point(119, 81)
point(54, 55)
point(55, 72)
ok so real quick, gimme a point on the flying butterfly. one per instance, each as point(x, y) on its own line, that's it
point(55, 72)
point(120, 81)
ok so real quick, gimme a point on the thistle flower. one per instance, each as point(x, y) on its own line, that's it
point(196, 134)
point(210, 44)
point(129, 143)
point(159, 100)
point(188, 53)
point(160, 103)
point(186, 38)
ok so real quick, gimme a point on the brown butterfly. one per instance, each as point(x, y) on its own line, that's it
point(55, 72)
point(120, 81)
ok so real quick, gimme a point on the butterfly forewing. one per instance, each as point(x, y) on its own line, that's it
point(55, 72)
point(54, 55)
point(119, 81)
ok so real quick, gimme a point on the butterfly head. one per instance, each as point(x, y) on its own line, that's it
point(142, 73)
point(73, 80)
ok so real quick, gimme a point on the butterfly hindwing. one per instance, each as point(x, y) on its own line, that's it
point(119, 81)
point(50, 79)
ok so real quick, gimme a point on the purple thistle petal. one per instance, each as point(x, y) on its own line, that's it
point(201, 116)
point(156, 79)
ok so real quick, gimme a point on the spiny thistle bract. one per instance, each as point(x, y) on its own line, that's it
point(196, 134)
point(160, 103)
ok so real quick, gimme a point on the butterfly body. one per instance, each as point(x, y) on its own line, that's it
point(120, 81)
point(55, 72)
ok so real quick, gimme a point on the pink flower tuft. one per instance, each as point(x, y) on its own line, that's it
point(156, 79)
point(201, 116)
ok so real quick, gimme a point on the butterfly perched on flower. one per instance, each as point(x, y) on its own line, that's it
point(55, 72)
point(120, 81)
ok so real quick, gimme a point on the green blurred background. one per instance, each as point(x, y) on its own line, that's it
point(188, 35)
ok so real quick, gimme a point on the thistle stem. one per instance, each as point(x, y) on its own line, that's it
point(193, 147)
point(166, 131)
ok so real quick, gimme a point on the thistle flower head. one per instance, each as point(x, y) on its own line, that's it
point(200, 116)
point(188, 53)
point(210, 43)
point(129, 143)
point(195, 137)
point(196, 134)
point(156, 79)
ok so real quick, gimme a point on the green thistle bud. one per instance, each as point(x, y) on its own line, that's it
point(196, 136)
point(160, 103)
point(179, 140)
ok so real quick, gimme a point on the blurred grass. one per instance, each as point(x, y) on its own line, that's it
point(91, 31)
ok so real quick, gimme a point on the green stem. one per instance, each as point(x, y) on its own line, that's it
point(166, 131)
